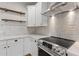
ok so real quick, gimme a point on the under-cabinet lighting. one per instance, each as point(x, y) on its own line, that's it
point(71, 13)
point(52, 25)
point(48, 9)
point(70, 17)
point(53, 16)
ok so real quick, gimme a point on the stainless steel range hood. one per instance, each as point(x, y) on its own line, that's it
point(59, 7)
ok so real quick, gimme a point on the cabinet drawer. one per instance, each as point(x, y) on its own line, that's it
point(2, 43)
point(14, 42)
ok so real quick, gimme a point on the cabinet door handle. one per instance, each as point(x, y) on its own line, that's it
point(4, 47)
point(8, 46)
point(35, 40)
point(16, 40)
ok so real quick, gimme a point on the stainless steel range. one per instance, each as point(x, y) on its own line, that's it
point(53, 46)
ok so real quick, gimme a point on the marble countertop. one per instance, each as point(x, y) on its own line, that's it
point(74, 49)
point(36, 36)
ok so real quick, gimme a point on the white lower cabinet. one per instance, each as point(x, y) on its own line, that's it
point(30, 46)
point(31, 15)
point(15, 47)
point(11, 47)
point(19, 47)
point(34, 48)
point(2, 48)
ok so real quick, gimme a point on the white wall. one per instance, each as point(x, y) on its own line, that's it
point(18, 6)
point(13, 28)
point(63, 25)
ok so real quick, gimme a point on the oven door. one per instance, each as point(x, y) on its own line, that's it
point(42, 52)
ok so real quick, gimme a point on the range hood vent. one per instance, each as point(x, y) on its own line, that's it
point(57, 4)
point(59, 7)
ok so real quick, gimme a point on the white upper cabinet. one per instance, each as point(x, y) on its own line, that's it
point(31, 15)
point(35, 18)
point(38, 14)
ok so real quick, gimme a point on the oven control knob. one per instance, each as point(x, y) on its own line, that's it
point(54, 49)
point(58, 51)
point(62, 53)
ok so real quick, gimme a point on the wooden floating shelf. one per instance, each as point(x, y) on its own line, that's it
point(11, 10)
point(13, 20)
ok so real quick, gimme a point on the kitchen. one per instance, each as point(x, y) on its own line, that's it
point(39, 28)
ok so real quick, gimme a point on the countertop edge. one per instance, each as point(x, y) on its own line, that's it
point(21, 36)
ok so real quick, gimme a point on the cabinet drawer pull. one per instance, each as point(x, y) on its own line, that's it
point(16, 40)
point(4, 47)
point(8, 46)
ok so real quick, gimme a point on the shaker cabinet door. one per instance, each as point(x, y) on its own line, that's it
point(34, 48)
point(15, 47)
point(30, 47)
point(2, 48)
point(16, 50)
point(27, 46)
point(31, 16)
point(38, 14)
